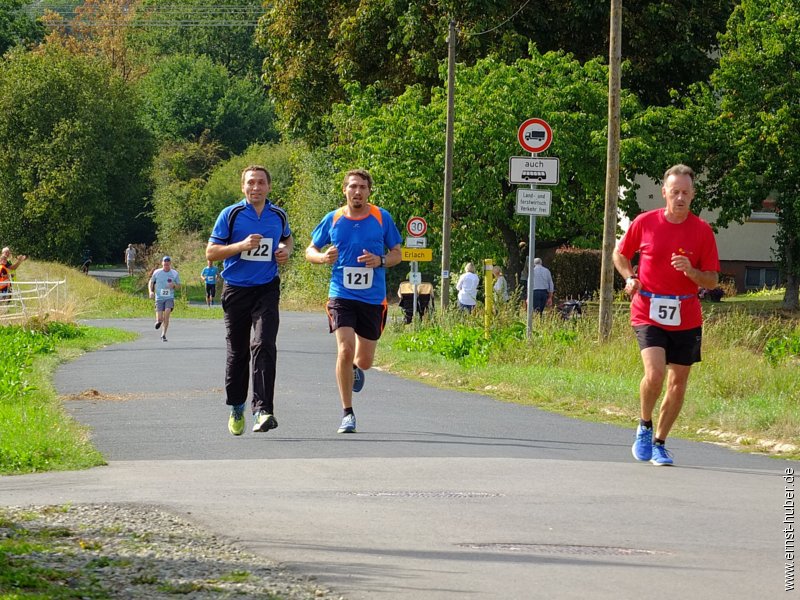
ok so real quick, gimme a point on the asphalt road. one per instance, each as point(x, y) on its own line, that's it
point(440, 495)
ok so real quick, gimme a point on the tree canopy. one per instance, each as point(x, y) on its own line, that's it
point(73, 157)
point(402, 143)
point(316, 48)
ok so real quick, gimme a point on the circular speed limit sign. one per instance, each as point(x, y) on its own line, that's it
point(416, 226)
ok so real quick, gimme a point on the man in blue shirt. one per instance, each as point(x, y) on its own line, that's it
point(362, 240)
point(251, 237)
point(209, 277)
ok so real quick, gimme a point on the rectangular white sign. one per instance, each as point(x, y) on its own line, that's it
point(533, 202)
point(416, 242)
point(532, 169)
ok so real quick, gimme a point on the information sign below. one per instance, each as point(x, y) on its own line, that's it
point(420, 254)
point(533, 169)
point(416, 242)
point(533, 202)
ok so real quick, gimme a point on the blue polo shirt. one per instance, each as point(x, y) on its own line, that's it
point(258, 266)
point(374, 232)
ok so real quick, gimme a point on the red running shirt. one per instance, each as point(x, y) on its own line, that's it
point(656, 240)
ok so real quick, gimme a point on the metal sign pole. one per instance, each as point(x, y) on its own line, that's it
point(531, 255)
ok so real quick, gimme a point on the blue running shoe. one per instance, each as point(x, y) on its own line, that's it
point(264, 421)
point(358, 379)
point(661, 456)
point(236, 420)
point(348, 424)
point(643, 446)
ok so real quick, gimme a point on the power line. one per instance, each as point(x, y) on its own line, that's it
point(501, 24)
point(157, 16)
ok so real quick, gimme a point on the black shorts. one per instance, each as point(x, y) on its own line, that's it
point(368, 320)
point(211, 289)
point(682, 347)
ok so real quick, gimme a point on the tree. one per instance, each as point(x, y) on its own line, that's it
point(73, 157)
point(315, 48)
point(402, 143)
point(97, 28)
point(758, 124)
point(186, 96)
point(16, 26)
point(223, 31)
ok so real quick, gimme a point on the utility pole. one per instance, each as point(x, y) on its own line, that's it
point(448, 166)
point(612, 172)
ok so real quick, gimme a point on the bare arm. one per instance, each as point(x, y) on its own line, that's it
point(284, 251)
point(318, 257)
point(705, 279)
point(217, 252)
point(625, 268)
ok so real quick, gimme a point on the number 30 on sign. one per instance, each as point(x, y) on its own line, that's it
point(416, 226)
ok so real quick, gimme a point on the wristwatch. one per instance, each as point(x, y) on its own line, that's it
point(383, 261)
point(631, 279)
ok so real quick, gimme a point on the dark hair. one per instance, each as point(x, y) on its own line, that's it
point(359, 173)
point(257, 168)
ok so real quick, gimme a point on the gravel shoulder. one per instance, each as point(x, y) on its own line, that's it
point(137, 552)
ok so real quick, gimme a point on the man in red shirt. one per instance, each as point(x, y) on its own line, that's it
point(677, 255)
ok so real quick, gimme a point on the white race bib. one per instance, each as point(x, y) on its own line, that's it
point(262, 252)
point(666, 311)
point(358, 278)
point(166, 292)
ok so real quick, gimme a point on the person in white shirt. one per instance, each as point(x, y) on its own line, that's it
point(467, 287)
point(542, 282)
point(500, 285)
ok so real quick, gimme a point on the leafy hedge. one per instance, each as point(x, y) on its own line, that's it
point(576, 273)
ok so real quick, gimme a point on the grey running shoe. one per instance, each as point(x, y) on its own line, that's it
point(348, 424)
point(264, 421)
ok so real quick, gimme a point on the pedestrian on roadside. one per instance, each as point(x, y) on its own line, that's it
point(251, 237)
point(677, 255)
point(543, 288)
point(130, 258)
point(162, 285)
point(467, 286)
point(360, 240)
point(500, 286)
point(209, 276)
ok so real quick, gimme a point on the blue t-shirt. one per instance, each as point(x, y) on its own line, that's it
point(160, 279)
point(257, 266)
point(210, 275)
point(374, 232)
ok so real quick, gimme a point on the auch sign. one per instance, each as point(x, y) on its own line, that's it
point(419, 254)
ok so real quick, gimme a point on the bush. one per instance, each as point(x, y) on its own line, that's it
point(576, 273)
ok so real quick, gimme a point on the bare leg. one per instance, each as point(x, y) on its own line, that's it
point(655, 368)
point(677, 380)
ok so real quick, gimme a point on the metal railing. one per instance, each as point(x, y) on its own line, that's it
point(32, 298)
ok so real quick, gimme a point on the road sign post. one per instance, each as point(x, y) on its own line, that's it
point(534, 135)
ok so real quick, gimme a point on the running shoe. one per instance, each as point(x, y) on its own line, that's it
point(661, 456)
point(158, 324)
point(264, 421)
point(236, 420)
point(643, 446)
point(358, 379)
point(348, 424)
point(163, 338)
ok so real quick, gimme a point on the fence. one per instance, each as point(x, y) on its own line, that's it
point(33, 298)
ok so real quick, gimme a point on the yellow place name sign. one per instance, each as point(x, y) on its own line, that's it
point(419, 254)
